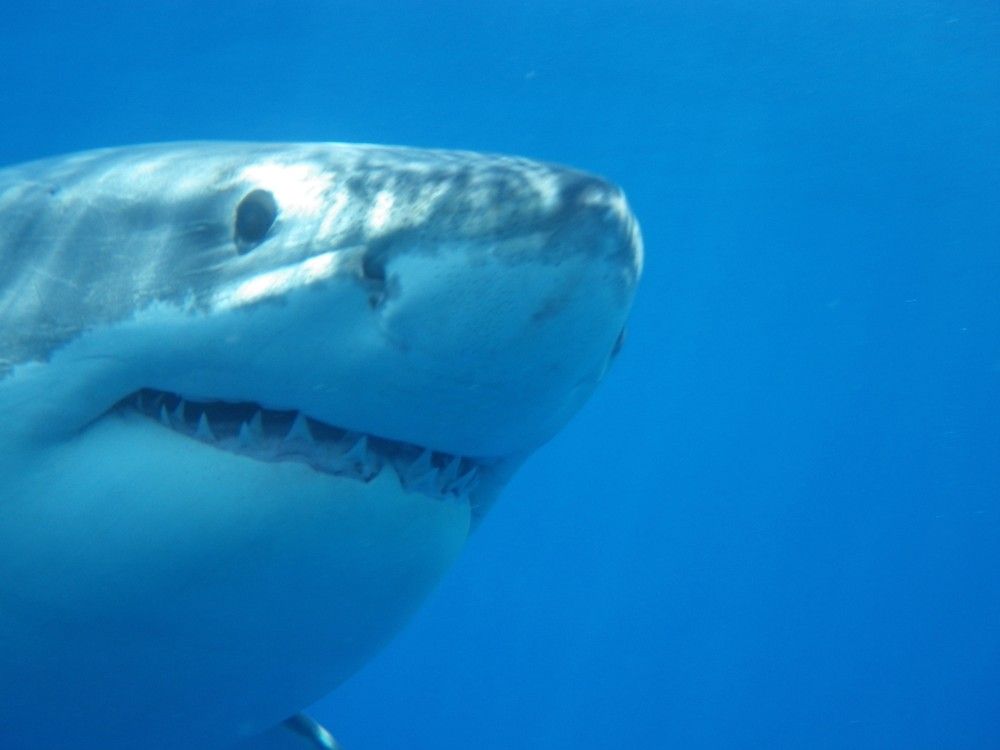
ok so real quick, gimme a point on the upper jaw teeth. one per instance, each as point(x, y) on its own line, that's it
point(292, 436)
point(422, 475)
point(299, 432)
point(250, 431)
point(204, 431)
point(358, 459)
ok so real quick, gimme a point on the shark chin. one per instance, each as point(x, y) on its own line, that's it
point(256, 397)
point(204, 576)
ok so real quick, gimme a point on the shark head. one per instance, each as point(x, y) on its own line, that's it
point(257, 395)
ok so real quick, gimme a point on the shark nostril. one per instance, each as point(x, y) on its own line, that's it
point(373, 271)
point(373, 267)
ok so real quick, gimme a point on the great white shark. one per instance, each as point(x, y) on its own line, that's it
point(253, 397)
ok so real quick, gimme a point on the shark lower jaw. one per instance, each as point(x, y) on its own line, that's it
point(271, 435)
point(248, 572)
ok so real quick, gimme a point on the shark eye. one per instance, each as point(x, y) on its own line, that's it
point(254, 217)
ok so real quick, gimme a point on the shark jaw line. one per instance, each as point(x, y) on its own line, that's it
point(271, 435)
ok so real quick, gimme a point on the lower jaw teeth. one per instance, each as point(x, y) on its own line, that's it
point(269, 435)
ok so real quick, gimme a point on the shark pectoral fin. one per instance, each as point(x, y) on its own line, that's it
point(298, 733)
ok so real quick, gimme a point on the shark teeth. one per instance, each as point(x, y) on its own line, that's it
point(299, 431)
point(177, 415)
point(269, 435)
point(360, 458)
point(464, 484)
point(251, 432)
point(450, 473)
point(421, 475)
point(204, 431)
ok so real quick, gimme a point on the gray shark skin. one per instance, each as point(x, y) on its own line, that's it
point(254, 397)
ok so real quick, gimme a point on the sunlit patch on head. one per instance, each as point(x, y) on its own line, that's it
point(279, 281)
point(183, 183)
point(329, 225)
point(299, 189)
point(381, 210)
point(149, 167)
point(617, 205)
point(546, 187)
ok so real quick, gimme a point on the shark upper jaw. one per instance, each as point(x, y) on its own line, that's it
point(453, 352)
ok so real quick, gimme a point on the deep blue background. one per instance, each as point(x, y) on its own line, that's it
point(778, 523)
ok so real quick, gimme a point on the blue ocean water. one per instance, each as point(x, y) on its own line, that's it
point(777, 524)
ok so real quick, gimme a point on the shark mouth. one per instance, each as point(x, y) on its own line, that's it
point(271, 435)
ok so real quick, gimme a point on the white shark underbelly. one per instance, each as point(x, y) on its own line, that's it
point(170, 577)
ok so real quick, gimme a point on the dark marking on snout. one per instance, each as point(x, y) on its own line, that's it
point(550, 308)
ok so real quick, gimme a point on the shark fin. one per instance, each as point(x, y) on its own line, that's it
point(298, 733)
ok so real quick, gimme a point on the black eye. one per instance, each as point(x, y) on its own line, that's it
point(254, 216)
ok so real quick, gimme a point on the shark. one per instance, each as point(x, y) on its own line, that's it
point(254, 397)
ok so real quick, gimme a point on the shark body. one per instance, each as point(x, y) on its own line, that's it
point(253, 398)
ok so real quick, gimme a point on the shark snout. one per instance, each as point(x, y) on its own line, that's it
point(595, 220)
point(515, 329)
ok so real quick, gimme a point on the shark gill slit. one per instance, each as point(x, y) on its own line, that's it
point(263, 434)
